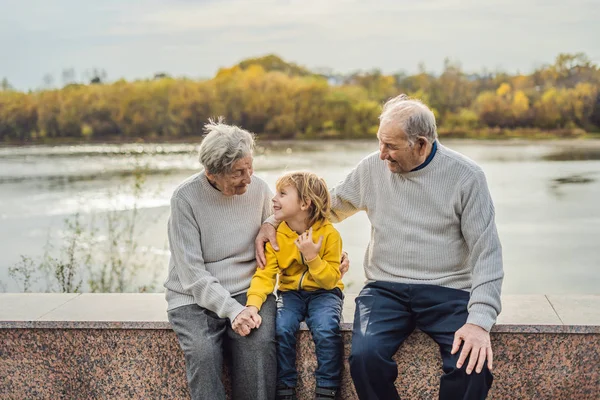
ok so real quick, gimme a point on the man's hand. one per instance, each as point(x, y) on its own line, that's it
point(344, 263)
point(477, 343)
point(266, 234)
point(245, 321)
point(307, 247)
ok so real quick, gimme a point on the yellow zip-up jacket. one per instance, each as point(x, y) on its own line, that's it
point(296, 273)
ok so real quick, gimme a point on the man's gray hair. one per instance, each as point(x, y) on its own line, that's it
point(223, 145)
point(412, 116)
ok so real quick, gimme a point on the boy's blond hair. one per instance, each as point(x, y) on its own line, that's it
point(309, 187)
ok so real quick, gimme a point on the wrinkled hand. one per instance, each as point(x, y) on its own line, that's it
point(344, 263)
point(266, 234)
point(476, 343)
point(245, 321)
point(307, 247)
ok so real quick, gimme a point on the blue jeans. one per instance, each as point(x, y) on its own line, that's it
point(322, 310)
point(386, 314)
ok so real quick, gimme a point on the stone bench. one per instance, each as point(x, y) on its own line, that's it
point(120, 346)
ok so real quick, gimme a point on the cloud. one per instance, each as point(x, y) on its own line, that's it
point(193, 37)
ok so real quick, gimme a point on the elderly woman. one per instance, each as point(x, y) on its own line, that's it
point(215, 216)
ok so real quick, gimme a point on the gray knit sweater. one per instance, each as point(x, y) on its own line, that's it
point(211, 237)
point(432, 226)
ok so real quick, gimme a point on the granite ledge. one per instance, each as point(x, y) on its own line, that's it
point(346, 327)
point(564, 314)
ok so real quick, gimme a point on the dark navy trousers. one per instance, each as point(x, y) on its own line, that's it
point(322, 310)
point(386, 314)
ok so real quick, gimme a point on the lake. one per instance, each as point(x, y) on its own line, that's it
point(547, 198)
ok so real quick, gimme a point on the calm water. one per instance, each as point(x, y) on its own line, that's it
point(547, 198)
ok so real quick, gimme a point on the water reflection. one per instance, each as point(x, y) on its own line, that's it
point(546, 196)
point(574, 154)
point(556, 184)
point(577, 179)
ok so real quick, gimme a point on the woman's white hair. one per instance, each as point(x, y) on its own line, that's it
point(412, 116)
point(223, 145)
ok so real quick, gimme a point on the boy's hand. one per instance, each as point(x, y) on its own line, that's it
point(344, 263)
point(307, 247)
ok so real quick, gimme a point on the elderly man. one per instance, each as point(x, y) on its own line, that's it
point(434, 261)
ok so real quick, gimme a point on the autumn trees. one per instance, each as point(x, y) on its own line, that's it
point(282, 100)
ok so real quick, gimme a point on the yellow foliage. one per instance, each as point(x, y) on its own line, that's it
point(268, 95)
point(504, 90)
point(520, 104)
point(521, 82)
point(86, 130)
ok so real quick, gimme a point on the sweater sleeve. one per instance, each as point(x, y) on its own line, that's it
point(184, 241)
point(485, 251)
point(263, 281)
point(325, 270)
point(348, 197)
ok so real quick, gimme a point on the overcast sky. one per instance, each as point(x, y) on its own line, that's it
point(193, 38)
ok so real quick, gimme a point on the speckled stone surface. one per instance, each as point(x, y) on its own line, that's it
point(87, 346)
point(507, 328)
point(526, 366)
point(148, 364)
point(91, 364)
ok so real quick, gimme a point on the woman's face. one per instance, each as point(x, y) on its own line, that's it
point(235, 182)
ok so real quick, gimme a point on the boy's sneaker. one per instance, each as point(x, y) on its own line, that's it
point(325, 393)
point(285, 393)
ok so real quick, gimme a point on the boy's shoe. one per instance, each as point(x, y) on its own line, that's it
point(285, 393)
point(323, 393)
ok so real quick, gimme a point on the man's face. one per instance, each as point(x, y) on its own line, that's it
point(399, 155)
point(235, 182)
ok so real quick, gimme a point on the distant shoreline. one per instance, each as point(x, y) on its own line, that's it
point(491, 136)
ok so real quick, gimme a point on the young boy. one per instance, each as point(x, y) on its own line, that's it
point(310, 286)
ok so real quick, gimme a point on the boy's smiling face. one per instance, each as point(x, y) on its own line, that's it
point(286, 203)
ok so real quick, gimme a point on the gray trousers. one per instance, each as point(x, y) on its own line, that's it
point(206, 340)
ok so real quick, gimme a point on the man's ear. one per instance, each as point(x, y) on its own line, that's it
point(422, 143)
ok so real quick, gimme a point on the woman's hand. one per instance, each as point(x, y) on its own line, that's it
point(247, 320)
point(307, 247)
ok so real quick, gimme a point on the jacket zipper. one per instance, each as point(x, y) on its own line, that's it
point(303, 274)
